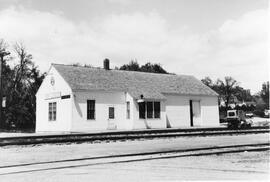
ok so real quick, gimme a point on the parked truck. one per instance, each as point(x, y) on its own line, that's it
point(236, 119)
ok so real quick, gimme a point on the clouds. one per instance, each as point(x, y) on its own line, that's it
point(251, 27)
point(241, 48)
point(122, 2)
point(238, 45)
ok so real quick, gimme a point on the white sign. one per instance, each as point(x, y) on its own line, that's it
point(4, 102)
point(53, 95)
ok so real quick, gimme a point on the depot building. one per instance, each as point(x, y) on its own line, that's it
point(81, 99)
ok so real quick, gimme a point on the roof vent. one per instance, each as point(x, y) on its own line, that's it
point(106, 64)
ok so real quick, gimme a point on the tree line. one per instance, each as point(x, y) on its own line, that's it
point(22, 79)
point(230, 92)
point(20, 83)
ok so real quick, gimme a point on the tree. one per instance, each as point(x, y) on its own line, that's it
point(243, 94)
point(23, 82)
point(131, 66)
point(5, 77)
point(207, 81)
point(148, 67)
point(153, 68)
point(226, 89)
point(265, 93)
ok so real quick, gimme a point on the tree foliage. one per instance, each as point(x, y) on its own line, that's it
point(228, 90)
point(20, 84)
point(265, 93)
point(148, 67)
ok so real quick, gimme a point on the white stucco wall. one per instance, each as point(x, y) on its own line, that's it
point(63, 114)
point(210, 112)
point(118, 100)
point(72, 112)
point(103, 100)
point(178, 110)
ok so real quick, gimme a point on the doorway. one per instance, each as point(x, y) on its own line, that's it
point(195, 113)
point(111, 118)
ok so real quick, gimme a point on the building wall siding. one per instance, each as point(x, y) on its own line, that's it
point(178, 110)
point(72, 112)
point(63, 113)
point(103, 100)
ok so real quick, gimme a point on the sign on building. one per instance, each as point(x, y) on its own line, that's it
point(4, 102)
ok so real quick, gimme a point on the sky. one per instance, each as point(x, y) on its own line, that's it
point(214, 38)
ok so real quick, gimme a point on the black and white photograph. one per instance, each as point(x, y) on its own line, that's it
point(134, 90)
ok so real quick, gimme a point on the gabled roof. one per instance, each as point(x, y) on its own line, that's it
point(150, 85)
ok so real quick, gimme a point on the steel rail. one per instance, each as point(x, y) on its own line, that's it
point(146, 156)
point(138, 154)
point(125, 135)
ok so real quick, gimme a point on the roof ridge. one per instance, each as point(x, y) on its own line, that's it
point(118, 70)
point(69, 65)
point(92, 78)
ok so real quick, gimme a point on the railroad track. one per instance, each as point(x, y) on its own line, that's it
point(126, 135)
point(129, 157)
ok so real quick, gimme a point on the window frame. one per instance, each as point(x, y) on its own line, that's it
point(89, 109)
point(128, 109)
point(155, 114)
point(109, 112)
point(156, 111)
point(52, 111)
point(149, 110)
point(142, 110)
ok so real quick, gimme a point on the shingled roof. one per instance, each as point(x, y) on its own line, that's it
point(150, 85)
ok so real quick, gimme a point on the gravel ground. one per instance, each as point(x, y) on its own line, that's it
point(237, 166)
point(242, 166)
point(10, 155)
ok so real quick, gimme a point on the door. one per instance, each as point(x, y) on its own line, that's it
point(195, 113)
point(111, 118)
point(196, 108)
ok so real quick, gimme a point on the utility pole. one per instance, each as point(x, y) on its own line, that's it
point(2, 55)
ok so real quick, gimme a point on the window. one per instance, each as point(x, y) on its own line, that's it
point(111, 112)
point(142, 110)
point(157, 109)
point(128, 110)
point(90, 109)
point(52, 111)
point(151, 109)
point(231, 113)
